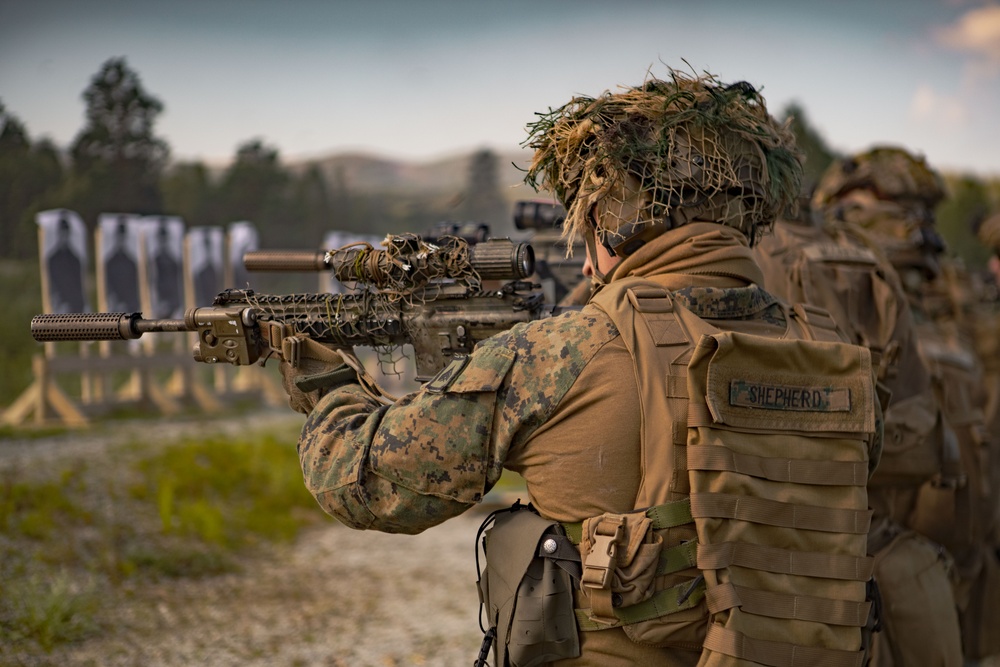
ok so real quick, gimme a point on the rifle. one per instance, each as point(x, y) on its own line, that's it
point(440, 298)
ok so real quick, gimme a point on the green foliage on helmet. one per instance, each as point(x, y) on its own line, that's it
point(665, 153)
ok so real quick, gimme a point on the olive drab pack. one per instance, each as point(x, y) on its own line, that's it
point(840, 270)
point(526, 590)
point(834, 269)
point(919, 625)
point(965, 518)
point(768, 461)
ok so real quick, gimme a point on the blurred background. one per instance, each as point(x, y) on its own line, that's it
point(311, 118)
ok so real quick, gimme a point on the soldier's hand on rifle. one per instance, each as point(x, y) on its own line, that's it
point(309, 370)
point(308, 382)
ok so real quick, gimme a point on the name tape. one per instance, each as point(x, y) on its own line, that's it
point(789, 397)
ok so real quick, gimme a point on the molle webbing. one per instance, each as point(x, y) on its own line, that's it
point(778, 654)
point(776, 605)
point(782, 541)
point(769, 446)
point(798, 471)
point(667, 601)
point(773, 559)
point(778, 514)
point(667, 515)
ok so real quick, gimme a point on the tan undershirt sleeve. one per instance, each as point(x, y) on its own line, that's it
point(585, 460)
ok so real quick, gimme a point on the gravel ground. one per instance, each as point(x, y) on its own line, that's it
point(335, 597)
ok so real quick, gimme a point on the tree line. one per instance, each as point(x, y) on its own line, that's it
point(117, 163)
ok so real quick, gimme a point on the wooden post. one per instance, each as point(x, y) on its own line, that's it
point(39, 397)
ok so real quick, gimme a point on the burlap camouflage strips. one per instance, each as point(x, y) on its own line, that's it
point(989, 232)
point(431, 456)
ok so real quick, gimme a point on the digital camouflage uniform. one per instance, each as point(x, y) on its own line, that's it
point(676, 178)
point(554, 400)
point(535, 393)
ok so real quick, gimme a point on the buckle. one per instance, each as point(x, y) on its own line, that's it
point(600, 562)
point(291, 350)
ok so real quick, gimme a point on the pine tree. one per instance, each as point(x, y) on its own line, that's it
point(818, 154)
point(117, 159)
point(255, 187)
point(29, 174)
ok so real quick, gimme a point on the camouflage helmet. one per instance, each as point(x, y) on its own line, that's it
point(989, 233)
point(888, 172)
point(905, 232)
point(650, 158)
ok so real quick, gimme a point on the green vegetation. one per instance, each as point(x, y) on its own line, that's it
point(22, 299)
point(969, 201)
point(225, 494)
point(116, 163)
point(49, 610)
point(91, 530)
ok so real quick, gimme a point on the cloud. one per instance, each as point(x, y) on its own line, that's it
point(929, 106)
point(976, 32)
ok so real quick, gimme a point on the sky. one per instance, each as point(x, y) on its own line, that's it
point(420, 80)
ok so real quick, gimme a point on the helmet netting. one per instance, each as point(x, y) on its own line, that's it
point(989, 232)
point(665, 153)
point(890, 173)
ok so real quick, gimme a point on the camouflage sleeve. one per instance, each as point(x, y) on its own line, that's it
point(436, 452)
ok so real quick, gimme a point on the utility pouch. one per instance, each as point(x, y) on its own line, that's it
point(918, 615)
point(621, 557)
point(527, 588)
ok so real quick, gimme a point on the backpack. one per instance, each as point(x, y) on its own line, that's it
point(773, 459)
point(839, 270)
point(965, 517)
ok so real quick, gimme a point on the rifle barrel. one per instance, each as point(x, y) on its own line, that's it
point(98, 326)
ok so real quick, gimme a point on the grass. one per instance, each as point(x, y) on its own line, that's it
point(225, 493)
point(145, 514)
point(36, 509)
point(49, 610)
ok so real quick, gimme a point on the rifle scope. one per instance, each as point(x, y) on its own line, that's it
point(495, 259)
point(538, 214)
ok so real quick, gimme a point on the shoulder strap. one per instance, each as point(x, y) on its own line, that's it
point(659, 334)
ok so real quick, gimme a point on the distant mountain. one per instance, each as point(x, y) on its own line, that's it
point(363, 173)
